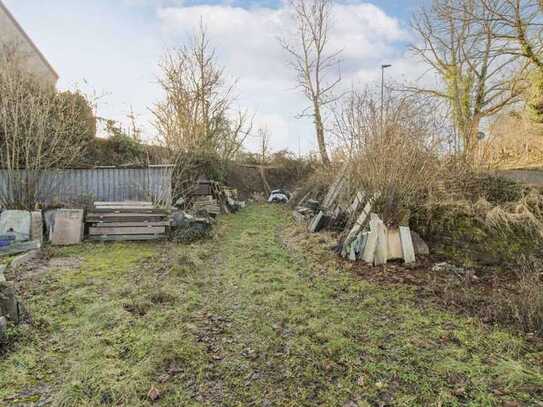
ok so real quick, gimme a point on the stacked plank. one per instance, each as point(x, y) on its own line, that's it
point(127, 221)
point(206, 203)
point(214, 198)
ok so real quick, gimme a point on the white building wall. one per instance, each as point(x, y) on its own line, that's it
point(12, 35)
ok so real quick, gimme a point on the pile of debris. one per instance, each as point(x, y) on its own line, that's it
point(214, 198)
point(125, 221)
point(187, 228)
point(208, 200)
point(206, 204)
point(23, 231)
point(11, 310)
point(363, 235)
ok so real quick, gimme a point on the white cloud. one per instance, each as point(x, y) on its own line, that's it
point(247, 45)
point(116, 48)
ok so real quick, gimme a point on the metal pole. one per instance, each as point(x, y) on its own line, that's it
point(383, 67)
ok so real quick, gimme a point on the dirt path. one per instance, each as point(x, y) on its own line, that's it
point(242, 321)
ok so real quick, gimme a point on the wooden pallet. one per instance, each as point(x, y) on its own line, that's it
point(123, 221)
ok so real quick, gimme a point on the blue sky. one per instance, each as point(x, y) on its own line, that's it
point(112, 48)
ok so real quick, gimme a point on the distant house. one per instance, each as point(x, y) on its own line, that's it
point(13, 35)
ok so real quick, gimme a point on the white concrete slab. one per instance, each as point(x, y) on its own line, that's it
point(316, 223)
point(381, 250)
point(407, 244)
point(67, 228)
point(17, 222)
point(36, 228)
point(368, 254)
point(359, 224)
point(394, 244)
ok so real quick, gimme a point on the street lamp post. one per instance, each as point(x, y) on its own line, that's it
point(383, 67)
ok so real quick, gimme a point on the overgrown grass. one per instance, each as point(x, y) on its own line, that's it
point(240, 320)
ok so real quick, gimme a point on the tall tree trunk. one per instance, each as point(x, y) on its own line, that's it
point(319, 127)
point(470, 137)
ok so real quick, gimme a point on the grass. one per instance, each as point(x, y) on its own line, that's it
point(243, 321)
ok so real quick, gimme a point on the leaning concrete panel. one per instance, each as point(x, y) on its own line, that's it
point(394, 244)
point(17, 222)
point(381, 250)
point(407, 244)
point(67, 228)
point(368, 255)
point(36, 228)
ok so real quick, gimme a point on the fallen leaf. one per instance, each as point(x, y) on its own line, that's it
point(153, 394)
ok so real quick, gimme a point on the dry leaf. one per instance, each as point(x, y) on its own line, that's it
point(153, 394)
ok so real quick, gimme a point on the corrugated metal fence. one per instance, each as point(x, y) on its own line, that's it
point(101, 184)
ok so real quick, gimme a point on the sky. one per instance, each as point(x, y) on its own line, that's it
point(112, 48)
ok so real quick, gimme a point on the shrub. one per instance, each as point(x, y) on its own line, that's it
point(396, 158)
point(480, 233)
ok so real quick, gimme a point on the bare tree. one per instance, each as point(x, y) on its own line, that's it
point(196, 114)
point(475, 79)
point(519, 25)
point(264, 136)
point(313, 62)
point(196, 117)
point(41, 130)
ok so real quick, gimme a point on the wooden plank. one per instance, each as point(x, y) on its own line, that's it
point(129, 224)
point(127, 210)
point(117, 238)
point(358, 200)
point(123, 220)
point(125, 215)
point(110, 214)
point(124, 203)
point(335, 189)
point(93, 231)
point(120, 207)
point(407, 244)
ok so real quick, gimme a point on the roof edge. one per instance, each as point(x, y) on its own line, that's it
point(27, 37)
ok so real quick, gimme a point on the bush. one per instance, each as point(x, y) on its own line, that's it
point(495, 189)
point(479, 233)
point(396, 159)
